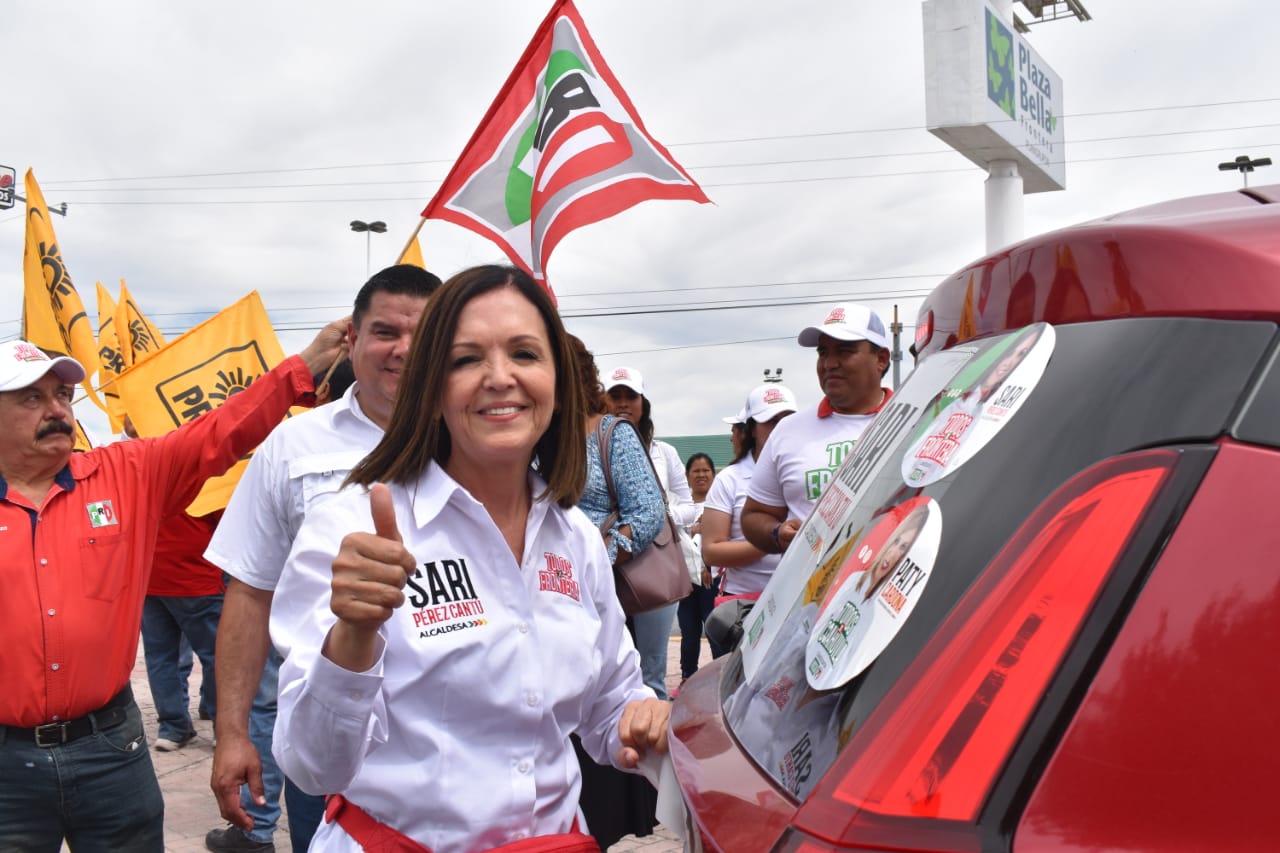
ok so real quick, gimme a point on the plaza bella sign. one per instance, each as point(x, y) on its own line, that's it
point(989, 95)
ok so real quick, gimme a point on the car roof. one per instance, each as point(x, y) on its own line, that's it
point(1205, 256)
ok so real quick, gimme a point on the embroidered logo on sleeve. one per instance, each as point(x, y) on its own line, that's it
point(101, 514)
point(444, 598)
point(558, 576)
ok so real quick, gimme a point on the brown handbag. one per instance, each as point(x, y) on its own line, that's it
point(658, 574)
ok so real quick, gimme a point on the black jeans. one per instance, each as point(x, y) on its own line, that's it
point(693, 611)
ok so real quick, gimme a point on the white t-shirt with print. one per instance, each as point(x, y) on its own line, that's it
point(728, 493)
point(802, 453)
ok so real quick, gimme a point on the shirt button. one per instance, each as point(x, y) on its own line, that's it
point(524, 628)
point(52, 611)
point(523, 767)
point(43, 561)
point(531, 699)
point(54, 667)
point(355, 694)
point(56, 718)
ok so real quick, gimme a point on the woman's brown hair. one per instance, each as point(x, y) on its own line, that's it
point(417, 434)
point(588, 377)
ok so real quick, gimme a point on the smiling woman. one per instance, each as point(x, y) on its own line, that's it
point(512, 637)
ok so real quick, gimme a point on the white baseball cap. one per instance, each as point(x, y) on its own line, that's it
point(764, 403)
point(23, 364)
point(847, 321)
point(628, 376)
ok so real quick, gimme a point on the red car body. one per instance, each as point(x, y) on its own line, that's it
point(1096, 667)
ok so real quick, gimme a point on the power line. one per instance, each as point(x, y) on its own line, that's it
point(743, 165)
point(781, 137)
point(1146, 155)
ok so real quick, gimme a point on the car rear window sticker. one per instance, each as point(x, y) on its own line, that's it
point(874, 593)
point(868, 479)
point(983, 399)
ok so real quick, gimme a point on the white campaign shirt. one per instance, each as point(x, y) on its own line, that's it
point(302, 462)
point(728, 493)
point(671, 476)
point(458, 736)
point(802, 453)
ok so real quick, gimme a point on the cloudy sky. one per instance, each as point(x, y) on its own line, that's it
point(208, 150)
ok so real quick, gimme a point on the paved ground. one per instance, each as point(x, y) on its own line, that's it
point(191, 811)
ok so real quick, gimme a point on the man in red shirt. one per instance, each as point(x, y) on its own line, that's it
point(184, 601)
point(77, 533)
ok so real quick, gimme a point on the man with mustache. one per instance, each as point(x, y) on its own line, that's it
point(77, 531)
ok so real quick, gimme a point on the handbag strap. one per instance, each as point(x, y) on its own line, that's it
point(604, 437)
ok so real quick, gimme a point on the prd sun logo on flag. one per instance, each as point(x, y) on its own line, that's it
point(208, 385)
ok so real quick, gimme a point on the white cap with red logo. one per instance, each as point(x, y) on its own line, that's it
point(23, 364)
point(628, 376)
point(847, 321)
point(764, 403)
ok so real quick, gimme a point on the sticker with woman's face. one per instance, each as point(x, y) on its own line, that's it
point(875, 592)
point(983, 398)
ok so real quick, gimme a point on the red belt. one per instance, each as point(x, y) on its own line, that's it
point(376, 837)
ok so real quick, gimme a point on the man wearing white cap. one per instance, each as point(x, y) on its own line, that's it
point(77, 531)
point(806, 449)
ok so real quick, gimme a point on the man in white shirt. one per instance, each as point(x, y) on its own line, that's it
point(806, 448)
point(301, 464)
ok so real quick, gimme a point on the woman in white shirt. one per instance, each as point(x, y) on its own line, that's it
point(436, 667)
point(746, 568)
point(652, 630)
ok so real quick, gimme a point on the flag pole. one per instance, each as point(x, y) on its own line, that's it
point(412, 237)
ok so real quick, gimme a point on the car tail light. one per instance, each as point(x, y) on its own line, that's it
point(915, 775)
point(924, 332)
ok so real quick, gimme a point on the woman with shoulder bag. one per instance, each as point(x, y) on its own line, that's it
point(652, 629)
point(616, 803)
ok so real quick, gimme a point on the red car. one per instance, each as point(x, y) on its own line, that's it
point(1038, 607)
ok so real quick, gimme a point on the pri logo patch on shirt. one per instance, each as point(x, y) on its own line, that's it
point(102, 514)
point(558, 576)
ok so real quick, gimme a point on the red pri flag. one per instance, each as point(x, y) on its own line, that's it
point(561, 147)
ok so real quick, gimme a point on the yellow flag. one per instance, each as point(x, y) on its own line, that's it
point(197, 372)
point(82, 439)
point(53, 316)
point(142, 338)
point(110, 361)
point(412, 254)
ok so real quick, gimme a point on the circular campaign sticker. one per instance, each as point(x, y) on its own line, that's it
point(981, 400)
point(875, 592)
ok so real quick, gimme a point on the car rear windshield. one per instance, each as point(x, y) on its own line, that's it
point(965, 451)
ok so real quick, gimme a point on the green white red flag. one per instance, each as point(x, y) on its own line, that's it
point(560, 147)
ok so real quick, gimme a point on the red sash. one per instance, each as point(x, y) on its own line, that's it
point(376, 837)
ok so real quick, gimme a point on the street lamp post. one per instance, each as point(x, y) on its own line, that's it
point(368, 228)
point(1244, 165)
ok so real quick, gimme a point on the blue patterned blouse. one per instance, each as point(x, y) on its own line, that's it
point(638, 495)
